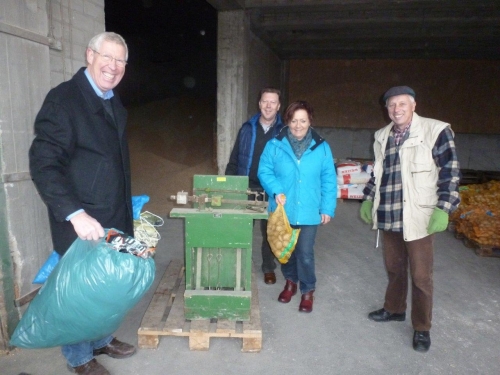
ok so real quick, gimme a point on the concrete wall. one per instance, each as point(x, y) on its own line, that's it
point(346, 96)
point(244, 66)
point(42, 43)
point(264, 71)
point(475, 151)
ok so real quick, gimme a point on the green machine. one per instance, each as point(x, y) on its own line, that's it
point(218, 246)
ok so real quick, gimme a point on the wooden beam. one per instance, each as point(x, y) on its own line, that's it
point(30, 35)
point(26, 298)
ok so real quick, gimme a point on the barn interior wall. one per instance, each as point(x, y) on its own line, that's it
point(264, 71)
point(43, 44)
point(24, 66)
point(244, 65)
point(347, 93)
point(347, 100)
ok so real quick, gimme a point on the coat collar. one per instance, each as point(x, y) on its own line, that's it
point(315, 136)
point(95, 104)
point(415, 129)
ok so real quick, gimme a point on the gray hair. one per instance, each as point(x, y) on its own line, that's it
point(108, 36)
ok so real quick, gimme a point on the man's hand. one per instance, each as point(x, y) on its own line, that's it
point(366, 212)
point(438, 221)
point(86, 227)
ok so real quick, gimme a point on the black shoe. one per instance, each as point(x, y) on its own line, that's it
point(383, 315)
point(421, 341)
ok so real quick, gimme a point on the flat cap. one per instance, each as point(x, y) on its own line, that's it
point(398, 90)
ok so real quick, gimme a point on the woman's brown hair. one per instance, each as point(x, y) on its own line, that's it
point(294, 107)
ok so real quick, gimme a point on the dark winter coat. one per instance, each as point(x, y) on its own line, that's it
point(244, 161)
point(80, 159)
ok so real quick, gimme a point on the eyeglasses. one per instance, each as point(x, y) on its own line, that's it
point(108, 59)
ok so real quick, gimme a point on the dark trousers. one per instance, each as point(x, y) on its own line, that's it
point(268, 259)
point(419, 255)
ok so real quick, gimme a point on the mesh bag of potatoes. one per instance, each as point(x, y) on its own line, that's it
point(481, 225)
point(478, 216)
point(281, 236)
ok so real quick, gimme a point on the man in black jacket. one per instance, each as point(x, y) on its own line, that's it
point(245, 156)
point(79, 162)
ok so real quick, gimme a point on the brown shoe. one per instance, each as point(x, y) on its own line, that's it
point(116, 349)
point(287, 293)
point(306, 302)
point(270, 278)
point(90, 368)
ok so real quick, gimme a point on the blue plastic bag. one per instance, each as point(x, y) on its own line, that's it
point(85, 298)
point(138, 201)
point(47, 268)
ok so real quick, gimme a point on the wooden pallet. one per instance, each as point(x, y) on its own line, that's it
point(471, 176)
point(488, 251)
point(481, 250)
point(165, 317)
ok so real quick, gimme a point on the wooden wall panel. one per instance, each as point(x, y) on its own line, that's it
point(347, 93)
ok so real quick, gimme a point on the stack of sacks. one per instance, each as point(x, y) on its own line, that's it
point(351, 178)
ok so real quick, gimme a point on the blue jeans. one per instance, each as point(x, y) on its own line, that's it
point(300, 266)
point(81, 353)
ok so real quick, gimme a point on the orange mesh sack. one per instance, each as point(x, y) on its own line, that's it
point(281, 236)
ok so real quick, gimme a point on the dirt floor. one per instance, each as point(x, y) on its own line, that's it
point(170, 141)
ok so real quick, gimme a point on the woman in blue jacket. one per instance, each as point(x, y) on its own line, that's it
point(297, 169)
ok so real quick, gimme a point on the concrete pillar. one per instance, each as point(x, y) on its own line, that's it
point(244, 66)
point(232, 81)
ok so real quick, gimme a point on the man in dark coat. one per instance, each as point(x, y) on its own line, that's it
point(79, 162)
point(245, 156)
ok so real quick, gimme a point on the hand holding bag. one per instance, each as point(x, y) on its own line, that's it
point(281, 236)
point(85, 297)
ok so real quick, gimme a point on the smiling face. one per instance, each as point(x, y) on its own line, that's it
point(400, 109)
point(299, 124)
point(106, 75)
point(269, 106)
